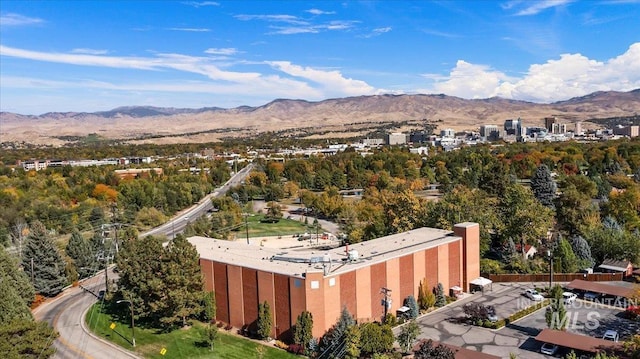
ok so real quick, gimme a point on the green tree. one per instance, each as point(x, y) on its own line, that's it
point(556, 314)
point(574, 208)
point(303, 330)
point(336, 337)
point(410, 302)
point(80, 251)
point(265, 320)
point(141, 278)
point(543, 186)
point(183, 282)
point(12, 306)
point(209, 306)
point(407, 336)
point(48, 266)
point(16, 278)
point(351, 342)
point(565, 260)
point(274, 212)
point(583, 251)
point(211, 334)
point(524, 218)
point(441, 300)
point(26, 338)
point(375, 338)
point(428, 350)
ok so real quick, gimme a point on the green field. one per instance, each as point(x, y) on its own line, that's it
point(282, 228)
point(180, 343)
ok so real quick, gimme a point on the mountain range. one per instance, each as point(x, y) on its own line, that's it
point(330, 118)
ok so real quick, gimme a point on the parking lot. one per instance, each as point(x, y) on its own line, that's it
point(586, 318)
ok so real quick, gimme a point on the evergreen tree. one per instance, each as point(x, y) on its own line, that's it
point(303, 330)
point(183, 282)
point(27, 339)
point(441, 300)
point(16, 277)
point(141, 277)
point(335, 338)
point(209, 306)
point(423, 292)
point(12, 306)
point(556, 312)
point(543, 186)
point(565, 261)
point(211, 333)
point(410, 302)
point(265, 320)
point(407, 336)
point(48, 266)
point(582, 249)
point(80, 251)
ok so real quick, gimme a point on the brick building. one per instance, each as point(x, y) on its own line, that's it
point(323, 281)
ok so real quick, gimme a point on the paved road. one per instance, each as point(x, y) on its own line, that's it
point(66, 314)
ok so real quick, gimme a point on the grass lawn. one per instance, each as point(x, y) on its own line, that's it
point(180, 343)
point(283, 227)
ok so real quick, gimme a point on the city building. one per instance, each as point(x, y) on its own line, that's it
point(629, 131)
point(512, 127)
point(549, 122)
point(396, 138)
point(448, 133)
point(578, 129)
point(489, 132)
point(365, 277)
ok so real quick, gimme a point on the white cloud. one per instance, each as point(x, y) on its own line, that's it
point(188, 29)
point(12, 19)
point(527, 7)
point(320, 12)
point(89, 51)
point(333, 81)
point(198, 4)
point(290, 19)
point(569, 76)
point(377, 32)
point(227, 51)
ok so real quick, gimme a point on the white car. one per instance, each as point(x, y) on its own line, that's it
point(569, 297)
point(533, 295)
point(611, 335)
point(549, 349)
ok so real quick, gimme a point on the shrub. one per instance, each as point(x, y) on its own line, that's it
point(228, 327)
point(295, 349)
point(220, 324)
point(281, 345)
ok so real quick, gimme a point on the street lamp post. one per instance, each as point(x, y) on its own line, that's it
point(133, 337)
point(550, 255)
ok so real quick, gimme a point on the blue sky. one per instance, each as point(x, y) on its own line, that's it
point(98, 55)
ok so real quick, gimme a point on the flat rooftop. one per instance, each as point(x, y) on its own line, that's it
point(297, 261)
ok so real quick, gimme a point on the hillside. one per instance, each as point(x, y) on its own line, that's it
point(332, 117)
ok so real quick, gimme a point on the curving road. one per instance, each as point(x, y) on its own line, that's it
point(65, 313)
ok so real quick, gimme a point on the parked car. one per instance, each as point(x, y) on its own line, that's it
point(591, 296)
point(569, 297)
point(533, 294)
point(101, 295)
point(611, 335)
point(632, 312)
point(549, 349)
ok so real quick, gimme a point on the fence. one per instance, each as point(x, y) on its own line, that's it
point(557, 277)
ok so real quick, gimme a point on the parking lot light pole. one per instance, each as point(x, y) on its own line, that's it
point(133, 337)
point(550, 255)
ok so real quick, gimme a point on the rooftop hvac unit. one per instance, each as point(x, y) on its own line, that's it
point(353, 255)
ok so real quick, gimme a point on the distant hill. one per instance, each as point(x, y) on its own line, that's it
point(328, 117)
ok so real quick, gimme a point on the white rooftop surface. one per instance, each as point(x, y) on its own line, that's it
point(370, 252)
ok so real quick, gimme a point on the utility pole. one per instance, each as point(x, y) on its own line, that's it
point(246, 225)
point(386, 301)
